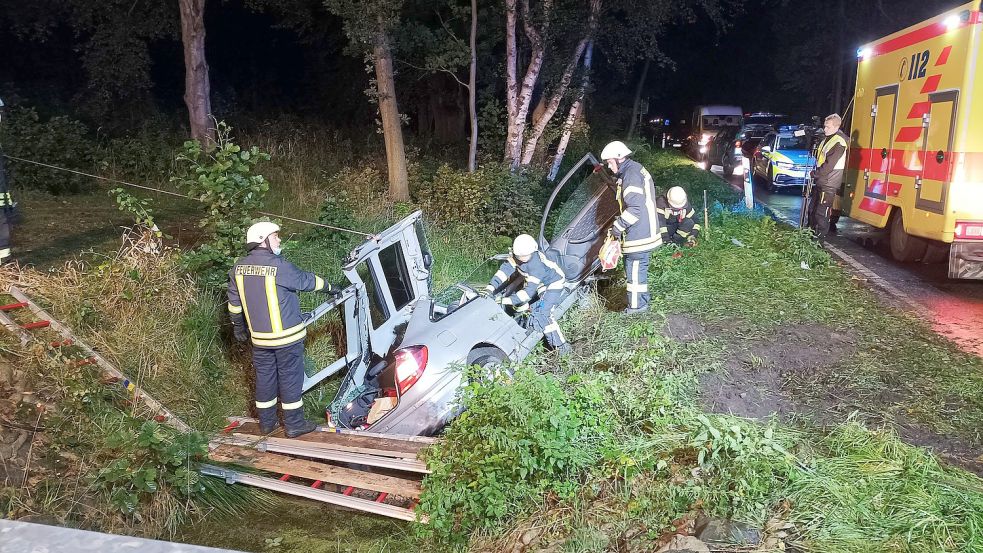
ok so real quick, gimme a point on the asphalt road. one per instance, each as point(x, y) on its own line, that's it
point(953, 307)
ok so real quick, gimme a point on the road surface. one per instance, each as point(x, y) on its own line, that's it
point(953, 307)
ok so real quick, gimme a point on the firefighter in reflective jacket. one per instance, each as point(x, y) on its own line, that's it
point(543, 280)
point(638, 223)
point(680, 225)
point(828, 176)
point(263, 297)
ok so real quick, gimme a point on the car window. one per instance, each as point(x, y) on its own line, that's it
point(717, 121)
point(793, 143)
point(572, 200)
point(450, 297)
point(397, 276)
point(378, 312)
point(769, 141)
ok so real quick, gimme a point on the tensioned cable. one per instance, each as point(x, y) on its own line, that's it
point(179, 195)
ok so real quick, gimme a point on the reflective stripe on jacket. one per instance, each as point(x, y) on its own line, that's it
point(263, 288)
point(831, 161)
point(639, 220)
point(540, 273)
point(681, 214)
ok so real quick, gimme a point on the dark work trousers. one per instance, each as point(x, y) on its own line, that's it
point(820, 210)
point(679, 232)
point(542, 318)
point(637, 278)
point(280, 377)
point(4, 235)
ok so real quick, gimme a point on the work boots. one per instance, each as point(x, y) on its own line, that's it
point(268, 421)
point(304, 428)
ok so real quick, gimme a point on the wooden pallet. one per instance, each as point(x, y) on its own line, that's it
point(112, 374)
point(368, 472)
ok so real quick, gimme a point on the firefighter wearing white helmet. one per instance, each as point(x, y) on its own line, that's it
point(542, 288)
point(680, 224)
point(263, 299)
point(638, 222)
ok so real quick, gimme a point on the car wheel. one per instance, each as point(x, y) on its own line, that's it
point(905, 247)
point(492, 360)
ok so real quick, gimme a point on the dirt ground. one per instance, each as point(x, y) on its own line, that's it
point(796, 374)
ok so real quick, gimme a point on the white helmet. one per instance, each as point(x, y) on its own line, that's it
point(260, 231)
point(615, 150)
point(524, 245)
point(676, 197)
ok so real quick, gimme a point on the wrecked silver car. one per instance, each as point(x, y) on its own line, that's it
point(406, 344)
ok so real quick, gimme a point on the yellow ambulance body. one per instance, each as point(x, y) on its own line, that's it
point(916, 151)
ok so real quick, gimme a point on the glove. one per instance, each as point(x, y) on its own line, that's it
point(332, 290)
point(486, 291)
point(615, 232)
point(240, 333)
point(522, 308)
point(690, 242)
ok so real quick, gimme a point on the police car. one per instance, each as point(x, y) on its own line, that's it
point(783, 158)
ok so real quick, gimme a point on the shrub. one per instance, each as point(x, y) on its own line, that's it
point(59, 141)
point(493, 197)
point(516, 442)
point(225, 181)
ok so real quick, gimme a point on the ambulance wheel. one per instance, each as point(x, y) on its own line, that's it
point(905, 247)
point(936, 252)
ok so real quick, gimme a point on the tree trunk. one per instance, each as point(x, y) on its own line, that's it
point(392, 124)
point(472, 87)
point(553, 104)
point(196, 85)
point(574, 113)
point(638, 99)
point(519, 96)
point(539, 127)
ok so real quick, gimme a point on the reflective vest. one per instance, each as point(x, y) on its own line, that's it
point(638, 221)
point(263, 288)
point(540, 274)
point(828, 144)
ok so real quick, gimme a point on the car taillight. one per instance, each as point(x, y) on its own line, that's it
point(969, 230)
point(410, 363)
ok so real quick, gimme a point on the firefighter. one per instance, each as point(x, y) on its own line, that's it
point(638, 223)
point(6, 208)
point(680, 226)
point(828, 176)
point(543, 279)
point(263, 300)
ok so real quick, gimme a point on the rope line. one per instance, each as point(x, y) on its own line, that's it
point(179, 195)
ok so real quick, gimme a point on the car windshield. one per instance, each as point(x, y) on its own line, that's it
point(576, 194)
point(718, 121)
point(792, 143)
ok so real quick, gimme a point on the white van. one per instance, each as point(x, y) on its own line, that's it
point(708, 120)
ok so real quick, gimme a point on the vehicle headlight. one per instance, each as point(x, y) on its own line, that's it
point(703, 149)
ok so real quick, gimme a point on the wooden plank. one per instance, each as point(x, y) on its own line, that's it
point(234, 477)
point(313, 470)
point(403, 437)
point(387, 447)
point(315, 450)
point(139, 394)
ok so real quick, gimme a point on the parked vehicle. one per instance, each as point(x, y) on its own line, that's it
point(407, 346)
point(917, 132)
point(707, 121)
point(742, 146)
point(783, 159)
point(717, 147)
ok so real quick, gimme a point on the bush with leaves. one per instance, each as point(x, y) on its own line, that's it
point(493, 197)
point(59, 141)
point(517, 441)
point(225, 181)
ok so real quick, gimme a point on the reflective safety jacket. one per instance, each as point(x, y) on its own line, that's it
point(679, 216)
point(263, 288)
point(831, 161)
point(6, 202)
point(540, 273)
point(638, 221)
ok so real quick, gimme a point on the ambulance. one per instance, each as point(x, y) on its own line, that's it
point(915, 164)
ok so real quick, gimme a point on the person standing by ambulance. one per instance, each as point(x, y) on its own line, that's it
point(828, 176)
point(637, 224)
point(264, 307)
